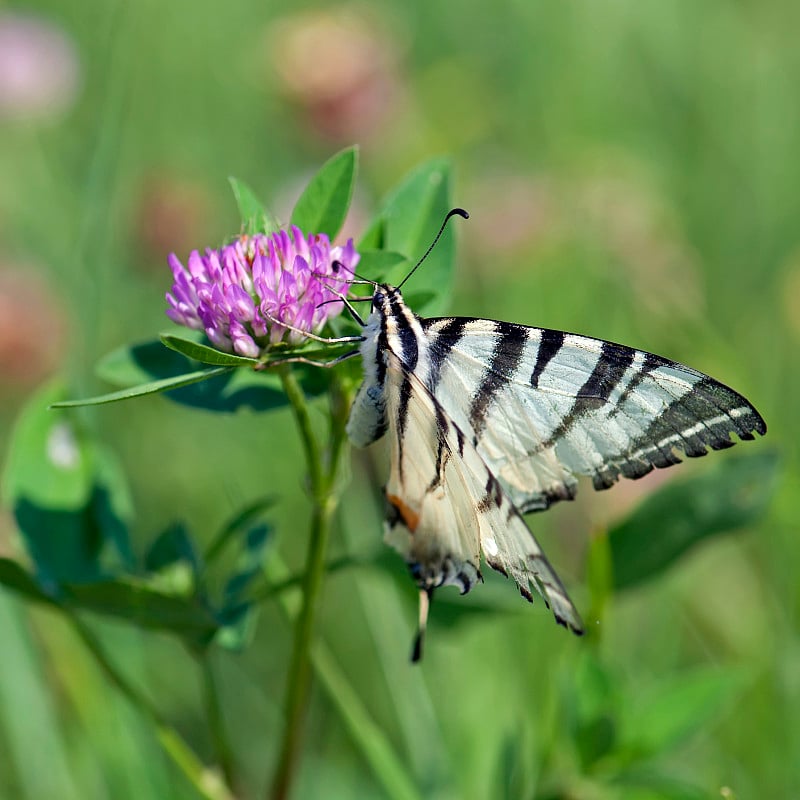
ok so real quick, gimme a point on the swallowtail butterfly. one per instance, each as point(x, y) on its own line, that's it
point(490, 420)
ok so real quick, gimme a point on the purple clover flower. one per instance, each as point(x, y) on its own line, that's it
point(245, 294)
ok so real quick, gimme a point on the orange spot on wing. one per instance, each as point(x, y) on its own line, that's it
point(408, 515)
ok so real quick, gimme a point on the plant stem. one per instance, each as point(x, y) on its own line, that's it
point(205, 781)
point(297, 401)
point(216, 723)
point(322, 479)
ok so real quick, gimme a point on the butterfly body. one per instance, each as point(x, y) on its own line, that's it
point(488, 420)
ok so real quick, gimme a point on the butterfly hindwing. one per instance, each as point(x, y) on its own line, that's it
point(445, 506)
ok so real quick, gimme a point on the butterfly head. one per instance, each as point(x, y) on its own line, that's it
point(384, 297)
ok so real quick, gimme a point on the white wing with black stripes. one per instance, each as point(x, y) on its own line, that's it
point(490, 419)
point(445, 507)
point(544, 405)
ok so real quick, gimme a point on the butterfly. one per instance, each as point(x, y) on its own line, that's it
point(490, 420)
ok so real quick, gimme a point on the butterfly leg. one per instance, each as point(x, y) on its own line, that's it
point(340, 298)
point(313, 336)
point(425, 597)
point(310, 361)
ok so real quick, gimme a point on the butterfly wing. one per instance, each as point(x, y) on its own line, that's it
point(544, 405)
point(444, 505)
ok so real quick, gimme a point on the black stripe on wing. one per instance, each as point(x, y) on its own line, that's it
point(705, 417)
point(510, 343)
point(549, 345)
point(440, 344)
point(608, 372)
point(405, 333)
point(649, 364)
point(515, 551)
point(410, 355)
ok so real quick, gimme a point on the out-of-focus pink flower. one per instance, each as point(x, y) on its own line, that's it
point(39, 68)
point(340, 67)
point(29, 350)
point(516, 212)
point(254, 292)
point(171, 215)
point(620, 207)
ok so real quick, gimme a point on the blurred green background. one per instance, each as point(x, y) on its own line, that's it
point(631, 171)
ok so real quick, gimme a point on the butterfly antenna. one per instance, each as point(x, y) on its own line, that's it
point(451, 213)
point(337, 265)
point(425, 597)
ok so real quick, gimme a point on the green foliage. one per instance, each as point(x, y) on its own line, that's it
point(68, 494)
point(735, 493)
point(323, 206)
point(181, 381)
point(408, 221)
point(255, 218)
point(212, 599)
point(606, 119)
point(203, 353)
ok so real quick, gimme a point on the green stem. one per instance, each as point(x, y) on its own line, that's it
point(297, 401)
point(204, 780)
point(216, 723)
point(322, 479)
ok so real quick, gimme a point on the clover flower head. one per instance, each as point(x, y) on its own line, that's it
point(262, 289)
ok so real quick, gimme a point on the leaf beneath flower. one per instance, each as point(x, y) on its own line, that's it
point(203, 353)
point(153, 387)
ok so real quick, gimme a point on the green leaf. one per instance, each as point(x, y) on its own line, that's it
point(172, 546)
point(323, 206)
point(383, 266)
point(13, 576)
point(126, 600)
point(268, 590)
point(590, 700)
point(203, 353)
point(676, 708)
point(412, 216)
point(250, 536)
point(236, 525)
point(140, 363)
point(374, 236)
point(673, 519)
point(644, 783)
point(153, 387)
point(138, 604)
point(229, 389)
point(600, 579)
point(239, 612)
point(255, 218)
point(369, 737)
point(49, 459)
point(69, 496)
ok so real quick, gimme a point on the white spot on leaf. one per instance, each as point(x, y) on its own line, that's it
point(62, 448)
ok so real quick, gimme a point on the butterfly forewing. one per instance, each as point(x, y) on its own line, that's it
point(544, 405)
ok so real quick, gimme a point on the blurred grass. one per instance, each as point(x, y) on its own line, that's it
point(637, 167)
